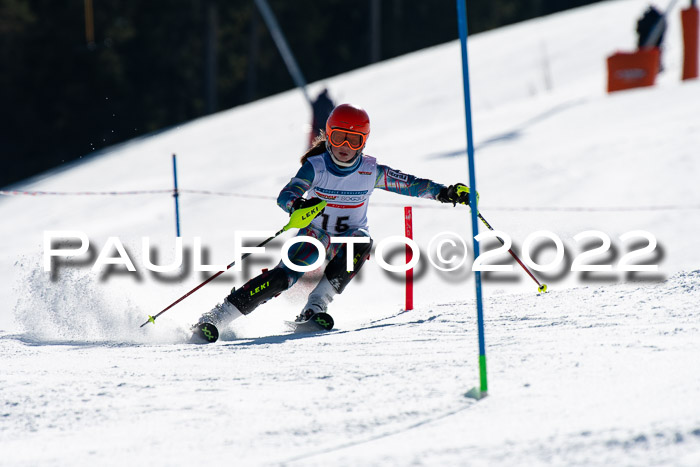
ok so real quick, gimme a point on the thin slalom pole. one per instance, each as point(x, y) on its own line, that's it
point(152, 319)
point(283, 47)
point(298, 219)
point(540, 287)
point(176, 195)
point(408, 224)
point(463, 33)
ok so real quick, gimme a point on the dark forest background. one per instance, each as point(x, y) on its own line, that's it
point(64, 96)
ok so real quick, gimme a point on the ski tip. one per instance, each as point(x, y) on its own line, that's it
point(205, 333)
point(542, 288)
point(323, 320)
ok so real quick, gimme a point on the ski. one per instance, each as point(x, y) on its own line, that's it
point(204, 333)
point(317, 322)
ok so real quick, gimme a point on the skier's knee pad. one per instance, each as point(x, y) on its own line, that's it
point(258, 290)
point(337, 270)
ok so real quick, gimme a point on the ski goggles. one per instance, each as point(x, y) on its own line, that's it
point(354, 140)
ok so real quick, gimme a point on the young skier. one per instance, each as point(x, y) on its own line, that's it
point(334, 170)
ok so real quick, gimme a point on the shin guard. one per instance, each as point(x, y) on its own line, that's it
point(336, 271)
point(258, 290)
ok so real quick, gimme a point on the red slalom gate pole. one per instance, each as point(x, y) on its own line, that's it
point(690, 18)
point(408, 221)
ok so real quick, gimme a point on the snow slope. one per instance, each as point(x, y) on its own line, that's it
point(602, 370)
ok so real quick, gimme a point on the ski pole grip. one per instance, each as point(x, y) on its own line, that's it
point(302, 217)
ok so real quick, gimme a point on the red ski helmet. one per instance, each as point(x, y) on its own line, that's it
point(349, 117)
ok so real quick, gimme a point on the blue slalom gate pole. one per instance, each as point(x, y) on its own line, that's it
point(176, 195)
point(462, 24)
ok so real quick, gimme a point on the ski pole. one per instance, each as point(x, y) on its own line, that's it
point(541, 287)
point(299, 219)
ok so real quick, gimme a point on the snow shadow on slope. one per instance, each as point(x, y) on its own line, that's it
point(514, 133)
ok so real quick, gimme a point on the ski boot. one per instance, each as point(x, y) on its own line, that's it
point(206, 328)
point(241, 302)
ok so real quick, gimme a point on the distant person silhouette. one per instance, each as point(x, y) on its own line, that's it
point(649, 35)
point(322, 108)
